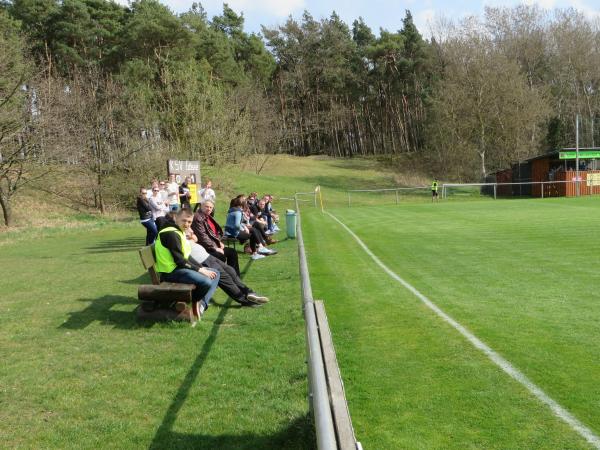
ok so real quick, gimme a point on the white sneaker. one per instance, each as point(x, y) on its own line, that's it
point(264, 251)
point(257, 256)
point(198, 310)
point(257, 298)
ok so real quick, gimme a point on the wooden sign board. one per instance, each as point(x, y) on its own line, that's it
point(184, 169)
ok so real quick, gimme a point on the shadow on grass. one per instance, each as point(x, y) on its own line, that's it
point(117, 245)
point(100, 309)
point(298, 434)
point(142, 279)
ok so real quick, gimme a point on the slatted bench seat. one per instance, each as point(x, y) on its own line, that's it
point(162, 301)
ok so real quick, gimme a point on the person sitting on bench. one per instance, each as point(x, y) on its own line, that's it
point(230, 282)
point(172, 251)
point(236, 228)
point(210, 233)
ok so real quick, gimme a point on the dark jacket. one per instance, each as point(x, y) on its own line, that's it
point(144, 209)
point(255, 210)
point(207, 238)
point(183, 195)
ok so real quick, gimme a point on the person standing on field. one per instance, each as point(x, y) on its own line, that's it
point(434, 190)
point(173, 193)
point(207, 194)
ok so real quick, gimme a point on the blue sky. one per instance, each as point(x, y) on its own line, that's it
point(387, 14)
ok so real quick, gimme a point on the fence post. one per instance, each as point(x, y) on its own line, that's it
point(348, 192)
point(495, 185)
point(396, 196)
point(542, 189)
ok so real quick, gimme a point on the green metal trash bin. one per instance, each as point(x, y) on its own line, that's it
point(290, 223)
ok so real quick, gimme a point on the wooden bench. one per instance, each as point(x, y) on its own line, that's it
point(163, 301)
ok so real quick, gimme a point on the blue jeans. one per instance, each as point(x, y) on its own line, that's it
point(267, 214)
point(151, 231)
point(205, 286)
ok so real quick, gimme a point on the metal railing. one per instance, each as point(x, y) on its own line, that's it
point(396, 190)
point(495, 186)
point(328, 436)
point(546, 189)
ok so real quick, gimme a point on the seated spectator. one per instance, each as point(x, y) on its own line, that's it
point(252, 199)
point(234, 227)
point(256, 220)
point(210, 233)
point(172, 251)
point(274, 216)
point(229, 281)
point(146, 217)
point(250, 220)
point(266, 214)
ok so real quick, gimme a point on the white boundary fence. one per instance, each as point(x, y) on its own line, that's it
point(494, 186)
point(326, 392)
point(397, 191)
point(313, 194)
point(494, 189)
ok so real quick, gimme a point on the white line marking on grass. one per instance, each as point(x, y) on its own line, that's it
point(506, 366)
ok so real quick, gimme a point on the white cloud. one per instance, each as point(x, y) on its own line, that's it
point(584, 8)
point(546, 4)
point(424, 20)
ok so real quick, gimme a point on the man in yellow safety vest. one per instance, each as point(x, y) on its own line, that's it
point(434, 190)
point(172, 251)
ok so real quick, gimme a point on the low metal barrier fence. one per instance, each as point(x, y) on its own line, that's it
point(326, 394)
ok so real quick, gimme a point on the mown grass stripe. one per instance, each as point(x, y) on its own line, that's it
point(501, 362)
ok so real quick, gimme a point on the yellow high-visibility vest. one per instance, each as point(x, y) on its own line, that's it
point(164, 259)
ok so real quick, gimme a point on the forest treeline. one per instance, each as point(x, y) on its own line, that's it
point(109, 92)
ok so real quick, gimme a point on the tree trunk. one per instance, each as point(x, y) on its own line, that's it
point(6, 209)
point(483, 170)
point(101, 204)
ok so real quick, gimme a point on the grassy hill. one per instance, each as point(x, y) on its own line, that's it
point(281, 175)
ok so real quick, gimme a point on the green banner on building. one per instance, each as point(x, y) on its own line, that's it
point(583, 154)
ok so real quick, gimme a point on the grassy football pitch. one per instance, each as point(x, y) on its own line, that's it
point(78, 370)
point(520, 275)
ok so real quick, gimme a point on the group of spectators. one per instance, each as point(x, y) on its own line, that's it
point(164, 197)
point(189, 246)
